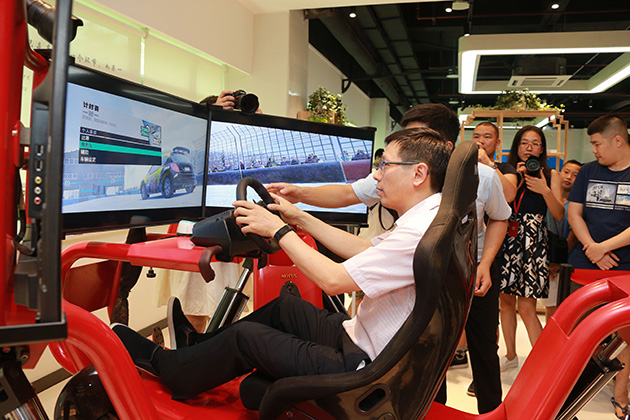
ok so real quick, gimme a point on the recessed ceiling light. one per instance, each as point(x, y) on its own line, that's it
point(555, 6)
point(448, 10)
point(461, 5)
point(352, 15)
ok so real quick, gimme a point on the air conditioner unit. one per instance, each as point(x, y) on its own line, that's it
point(538, 81)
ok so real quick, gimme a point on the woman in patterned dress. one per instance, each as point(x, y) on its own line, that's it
point(525, 266)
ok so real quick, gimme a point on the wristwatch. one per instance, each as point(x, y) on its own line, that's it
point(282, 231)
point(494, 165)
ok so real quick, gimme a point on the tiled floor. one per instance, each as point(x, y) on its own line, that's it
point(458, 381)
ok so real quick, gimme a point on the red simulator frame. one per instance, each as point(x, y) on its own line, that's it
point(32, 315)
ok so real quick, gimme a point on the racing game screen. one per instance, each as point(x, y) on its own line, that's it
point(307, 155)
point(124, 155)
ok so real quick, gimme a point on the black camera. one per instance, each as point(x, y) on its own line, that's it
point(246, 102)
point(532, 164)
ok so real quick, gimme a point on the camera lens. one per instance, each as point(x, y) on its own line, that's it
point(41, 16)
point(249, 103)
point(246, 102)
point(532, 164)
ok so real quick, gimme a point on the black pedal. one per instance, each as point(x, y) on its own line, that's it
point(37, 160)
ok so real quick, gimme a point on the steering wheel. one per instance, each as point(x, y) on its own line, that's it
point(270, 246)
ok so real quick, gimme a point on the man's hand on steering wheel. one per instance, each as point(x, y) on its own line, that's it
point(253, 218)
point(264, 223)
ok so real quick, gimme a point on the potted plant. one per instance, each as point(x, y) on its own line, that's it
point(325, 106)
point(520, 100)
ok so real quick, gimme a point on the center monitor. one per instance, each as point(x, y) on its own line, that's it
point(278, 149)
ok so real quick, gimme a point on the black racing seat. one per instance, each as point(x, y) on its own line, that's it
point(403, 380)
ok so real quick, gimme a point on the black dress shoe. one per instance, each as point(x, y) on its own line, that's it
point(471, 390)
point(181, 331)
point(141, 350)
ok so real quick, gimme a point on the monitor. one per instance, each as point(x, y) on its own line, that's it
point(133, 156)
point(278, 149)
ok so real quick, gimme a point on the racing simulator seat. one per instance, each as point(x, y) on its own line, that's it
point(403, 380)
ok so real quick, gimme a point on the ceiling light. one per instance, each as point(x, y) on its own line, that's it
point(461, 5)
point(452, 74)
point(448, 10)
point(353, 12)
point(472, 48)
point(555, 6)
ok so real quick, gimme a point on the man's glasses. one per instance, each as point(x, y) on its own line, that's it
point(383, 164)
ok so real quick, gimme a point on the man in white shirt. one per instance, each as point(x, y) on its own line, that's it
point(291, 337)
point(483, 319)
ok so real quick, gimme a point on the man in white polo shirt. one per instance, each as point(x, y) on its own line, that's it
point(483, 319)
point(290, 337)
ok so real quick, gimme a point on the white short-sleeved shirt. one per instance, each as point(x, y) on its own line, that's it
point(384, 272)
point(365, 189)
point(490, 199)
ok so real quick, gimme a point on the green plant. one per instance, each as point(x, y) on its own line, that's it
point(521, 100)
point(326, 106)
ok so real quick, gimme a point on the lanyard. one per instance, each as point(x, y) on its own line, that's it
point(520, 200)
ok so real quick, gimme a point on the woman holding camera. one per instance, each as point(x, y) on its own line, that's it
point(525, 266)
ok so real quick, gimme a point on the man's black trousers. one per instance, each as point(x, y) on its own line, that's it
point(481, 333)
point(287, 337)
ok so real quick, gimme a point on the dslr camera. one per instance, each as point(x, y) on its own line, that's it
point(532, 164)
point(246, 102)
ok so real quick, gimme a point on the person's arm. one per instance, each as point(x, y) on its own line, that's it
point(580, 230)
point(495, 233)
point(508, 182)
point(578, 225)
point(328, 275)
point(595, 251)
point(539, 185)
point(336, 240)
point(554, 199)
point(328, 196)
point(571, 240)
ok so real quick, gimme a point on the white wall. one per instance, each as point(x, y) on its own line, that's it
point(223, 29)
point(362, 111)
point(579, 146)
point(322, 73)
point(279, 58)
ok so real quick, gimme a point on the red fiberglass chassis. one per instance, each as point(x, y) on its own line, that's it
point(29, 321)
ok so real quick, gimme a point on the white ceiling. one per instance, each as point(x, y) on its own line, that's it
point(273, 6)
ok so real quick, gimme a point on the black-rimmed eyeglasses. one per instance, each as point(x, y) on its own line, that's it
point(383, 164)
